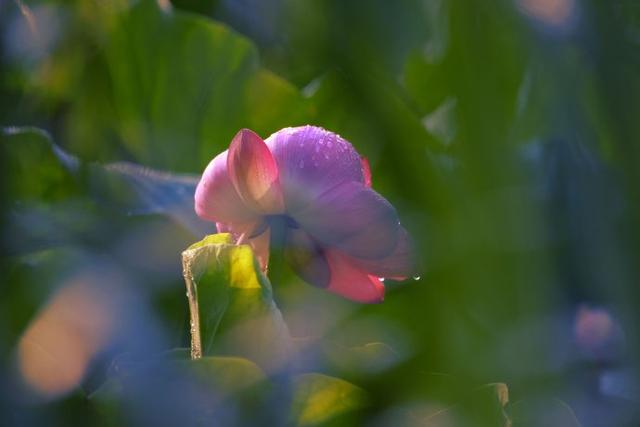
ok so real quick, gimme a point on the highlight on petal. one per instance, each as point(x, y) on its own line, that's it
point(354, 219)
point(254, 173)
point(351, 282)
point(311, 161)
point(307, 258)
point(399, 265)
point(216, 198)
point(366, 171)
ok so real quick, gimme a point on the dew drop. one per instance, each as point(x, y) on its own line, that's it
point(416, 277)
point(317, 148)
point(381, 279)
point(301, 164)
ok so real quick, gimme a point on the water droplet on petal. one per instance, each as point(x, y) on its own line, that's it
point(381, 279)
point(301, 164)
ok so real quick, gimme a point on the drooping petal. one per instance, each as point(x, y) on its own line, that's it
point(307, 258)
point(311, 161)
point(254, 173)
point(366, 171)
point(354, 219)
point(399, 265)
point(216, 199)
point(351, 282)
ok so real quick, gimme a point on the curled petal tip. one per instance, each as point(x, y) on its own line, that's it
point(215, 197)
point(254, 173)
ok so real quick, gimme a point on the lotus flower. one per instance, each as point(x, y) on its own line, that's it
point(310, 189)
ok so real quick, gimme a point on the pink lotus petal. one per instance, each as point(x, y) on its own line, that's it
point(354, 219)
point(306, 258)
point(216, 199)
point(399, 265)
point(254, 173)
point(351, 282)
point(311, 161)
point(366, 171)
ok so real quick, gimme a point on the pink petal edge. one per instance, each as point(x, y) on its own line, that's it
point(399, 265)
point(215, 197)
point(254, 173)
point(351, 282)
point(366, 171)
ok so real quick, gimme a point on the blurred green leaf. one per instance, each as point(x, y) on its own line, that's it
point(482, 406)
point(318, 399)
point(231, 303)
point(183, 85)
point(67, 193)
point(34, 169)
point(214, 383)
point(545, 412)
point(426, 82)
point(367, 359)
point(228, 374)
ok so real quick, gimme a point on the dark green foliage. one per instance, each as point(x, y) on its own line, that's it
point(507, 140)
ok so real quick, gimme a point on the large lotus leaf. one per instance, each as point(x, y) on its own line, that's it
point(33, 168)
point(183, 85)
point(55, 195)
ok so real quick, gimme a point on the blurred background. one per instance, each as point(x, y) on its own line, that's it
point(506, 134)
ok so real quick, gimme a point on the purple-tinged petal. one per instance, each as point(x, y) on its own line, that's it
point(254, 173)
point(307, 258)
point(366, 171)
point(351, 282)
point(216, 199)
point(311, 161)
point(354, 219)
point(399, 265)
